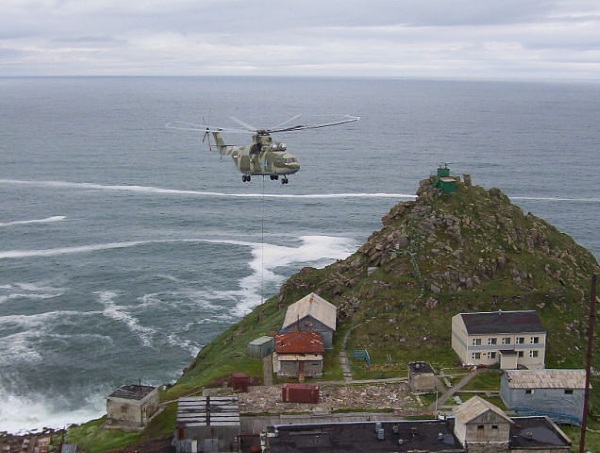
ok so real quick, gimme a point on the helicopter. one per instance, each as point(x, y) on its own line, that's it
point(262, 157)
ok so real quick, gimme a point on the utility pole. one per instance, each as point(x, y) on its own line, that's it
point(588, 364)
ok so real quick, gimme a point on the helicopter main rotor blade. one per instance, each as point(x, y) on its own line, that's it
point(246, 125)
point(347, 119)
point(284, 122)
point(185, 126)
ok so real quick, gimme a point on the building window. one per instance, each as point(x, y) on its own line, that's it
point(494, 426)
point(520, 353)
point(520, 340)
point(534, 340)
point(476, 341)
point(480, 427)
point(476, 355)
point(506, 340)
point(529, 392)
point(568, 391)
point(533, 354)
point(491, 341)
point(492, 355)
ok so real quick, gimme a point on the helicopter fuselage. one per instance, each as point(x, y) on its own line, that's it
point(262, 158)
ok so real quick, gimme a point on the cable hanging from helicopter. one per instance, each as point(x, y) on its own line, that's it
point(262, 157)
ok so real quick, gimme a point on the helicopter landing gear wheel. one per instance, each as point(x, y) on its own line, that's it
point(284, 180)
point(274, 177)
point(246, 178)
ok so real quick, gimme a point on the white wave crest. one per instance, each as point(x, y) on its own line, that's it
point(574, 200)
point(195, 193)
point(119, 313)
point(57, 218)
point(12, 254)
point(266, 258)
point(37, 411)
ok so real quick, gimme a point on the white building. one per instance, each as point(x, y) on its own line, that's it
point(507, 338)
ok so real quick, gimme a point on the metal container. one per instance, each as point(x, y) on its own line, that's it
point(300, 393)
point(240, 382)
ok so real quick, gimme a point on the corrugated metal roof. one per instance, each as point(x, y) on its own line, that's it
point(475, 407)
point(132, 392)
point(546, 379)
point(503, 322)
point(313, 305)
point(299, 343)
point(208, 411)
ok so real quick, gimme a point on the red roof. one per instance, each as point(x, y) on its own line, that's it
point(299, 343)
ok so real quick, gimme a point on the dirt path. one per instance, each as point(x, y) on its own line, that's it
point(448, 393)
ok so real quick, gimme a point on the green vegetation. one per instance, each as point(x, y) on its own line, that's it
point(489, 380)
point(93, 438)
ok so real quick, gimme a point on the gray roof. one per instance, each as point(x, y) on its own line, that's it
point(546, 379)
point(132, 392)
point(420, 368)
point(475, 407)
point(311, 305)
point(208, 411)
point(503, 322)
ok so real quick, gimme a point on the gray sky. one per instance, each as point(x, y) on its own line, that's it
point(481, 39)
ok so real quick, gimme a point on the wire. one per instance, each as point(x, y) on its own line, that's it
point(262, 242)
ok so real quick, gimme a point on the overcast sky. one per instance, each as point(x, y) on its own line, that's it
point(483, 39)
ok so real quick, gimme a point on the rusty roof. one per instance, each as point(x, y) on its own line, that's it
point(503, 322)
point(299, 343)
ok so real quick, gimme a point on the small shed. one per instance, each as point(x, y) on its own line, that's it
point(261, 347)
point(298, 354)
point(557, 394)
point(445, 182)
point(131, 406)
point(479, 422)
point(207, 424)
point(421, 377)
point(312, 313)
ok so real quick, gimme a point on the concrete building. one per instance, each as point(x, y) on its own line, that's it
point(508, 339)
point(312, 313)
point(558, 394)
point(298, 355)
point(421, 377)
point(131, 406)
point(207, 424)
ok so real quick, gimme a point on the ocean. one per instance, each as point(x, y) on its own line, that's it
point(125, 247)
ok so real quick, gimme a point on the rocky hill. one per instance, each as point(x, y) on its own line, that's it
point(445, 253)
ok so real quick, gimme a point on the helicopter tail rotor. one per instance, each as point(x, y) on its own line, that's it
point(206, 137)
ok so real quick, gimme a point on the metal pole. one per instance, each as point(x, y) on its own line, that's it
point(588, 364)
